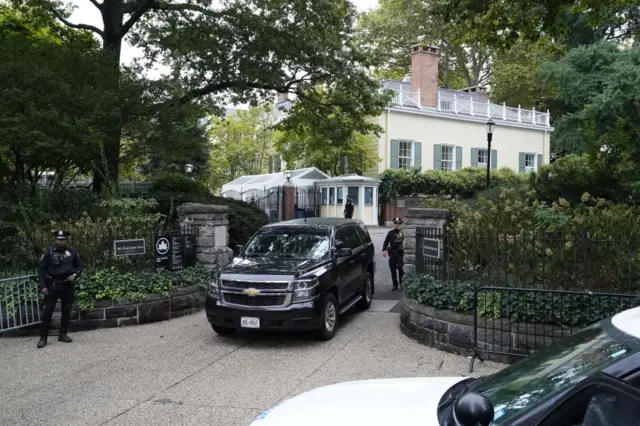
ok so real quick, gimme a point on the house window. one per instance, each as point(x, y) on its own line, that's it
point(530, 162)
point(324, 196)
point(405, 155)
point(339, 191)
point(332, 196)
point(448, 157)
point(352, 192)
point(483, 157)
point(368, 195)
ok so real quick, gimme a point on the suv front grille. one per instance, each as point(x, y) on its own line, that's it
point(258, 300)
point(243, 285)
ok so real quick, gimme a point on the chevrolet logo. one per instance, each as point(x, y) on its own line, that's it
point(251, 292)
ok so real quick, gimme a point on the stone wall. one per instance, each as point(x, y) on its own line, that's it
point(420, 217)
point(212, 224)
point(109, 313)
point(453, 332)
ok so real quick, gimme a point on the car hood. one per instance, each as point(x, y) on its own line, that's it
point(406, 402)
point(271, 265)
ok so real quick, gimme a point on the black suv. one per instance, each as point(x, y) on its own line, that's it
point(295, 275)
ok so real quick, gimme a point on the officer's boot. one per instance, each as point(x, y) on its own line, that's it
point(43, 341)
point(64, 338)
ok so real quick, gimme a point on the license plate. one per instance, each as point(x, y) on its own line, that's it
point(249, 322)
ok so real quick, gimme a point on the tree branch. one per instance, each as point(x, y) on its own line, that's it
point(96, 4)
point(138, 9)
point(60, 18)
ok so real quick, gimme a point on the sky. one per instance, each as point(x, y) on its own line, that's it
point(86, 13)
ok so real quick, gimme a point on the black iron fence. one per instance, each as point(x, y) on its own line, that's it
point(125, 248)
point(515, 322)
point(531, 260)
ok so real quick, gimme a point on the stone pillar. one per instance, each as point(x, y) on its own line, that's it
point(420, 218)
point(289, 201)
point(212, 238)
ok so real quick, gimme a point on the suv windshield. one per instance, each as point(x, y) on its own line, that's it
point(550, 371)
point(300, 244)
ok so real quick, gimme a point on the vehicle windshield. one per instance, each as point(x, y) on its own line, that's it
point(299, 244)
point(552, 370)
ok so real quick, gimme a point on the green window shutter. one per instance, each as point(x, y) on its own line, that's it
point(458, 157)
point(494, 159)
point(437, 157)
point(521, 162)
point(474, 157)
point(539, 161)
point(417, 161)
point(271, 164)
point(394, 162)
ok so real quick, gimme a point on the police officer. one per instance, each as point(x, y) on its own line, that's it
point(59, 268)
point(394, 247)
point(348, 208)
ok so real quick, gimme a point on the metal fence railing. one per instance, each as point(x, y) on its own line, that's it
point(19, 302)
point(530, 259)
point(516, 322)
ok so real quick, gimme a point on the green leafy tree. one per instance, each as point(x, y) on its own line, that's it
point(395, 25)
point(328, 124)
point(232, 52)
point(241, 144)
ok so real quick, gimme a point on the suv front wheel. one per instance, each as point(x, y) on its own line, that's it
point(329, 321)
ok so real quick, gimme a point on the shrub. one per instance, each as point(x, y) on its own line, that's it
point(110, 284)
point(464, 183)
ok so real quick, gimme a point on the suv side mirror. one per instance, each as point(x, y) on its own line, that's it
point(344, 252)
point(473, 409)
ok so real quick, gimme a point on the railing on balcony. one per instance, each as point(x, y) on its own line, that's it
point(474, 108)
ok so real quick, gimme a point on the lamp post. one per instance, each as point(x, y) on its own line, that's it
point(287, 175)
point(490, 127)
point(188, 168)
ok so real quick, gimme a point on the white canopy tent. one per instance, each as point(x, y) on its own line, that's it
point(260, 186)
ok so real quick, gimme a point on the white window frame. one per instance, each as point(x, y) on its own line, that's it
point(453, 157)
point(412, 159)
point(533, 168)
point(480, 163)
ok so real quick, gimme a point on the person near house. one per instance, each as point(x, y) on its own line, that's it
point(393, 247)
point(58, 270)
point(348, 208)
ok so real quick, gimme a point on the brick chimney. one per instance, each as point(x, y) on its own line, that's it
point(283, 97)
point(424, 73)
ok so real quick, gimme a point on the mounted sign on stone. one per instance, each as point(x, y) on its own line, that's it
point(432, 248)
point(175, 252)
point(129, 247)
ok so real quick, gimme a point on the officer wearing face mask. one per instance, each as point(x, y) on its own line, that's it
point(59, 268)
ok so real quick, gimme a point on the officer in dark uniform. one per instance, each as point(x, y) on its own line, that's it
point(394, 247)
point(59, 268)
point(348, 209)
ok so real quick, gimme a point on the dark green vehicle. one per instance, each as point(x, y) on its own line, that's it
point(295, 275)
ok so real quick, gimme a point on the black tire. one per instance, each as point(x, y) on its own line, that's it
point(330, 315)
point(224, 331)
point(367, 293)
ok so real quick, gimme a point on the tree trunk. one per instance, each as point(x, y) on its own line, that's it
point(106, 169)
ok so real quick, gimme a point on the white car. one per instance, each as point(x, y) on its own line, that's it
point(591, 378)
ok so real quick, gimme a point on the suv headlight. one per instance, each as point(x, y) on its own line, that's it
point(304, 290)
point(214, 288)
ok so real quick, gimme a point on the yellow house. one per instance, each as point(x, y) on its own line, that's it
point(434, 128)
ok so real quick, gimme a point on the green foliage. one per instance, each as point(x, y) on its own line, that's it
point(329, 123)
point(110, 284)
point(464, 183)
point(566, 310)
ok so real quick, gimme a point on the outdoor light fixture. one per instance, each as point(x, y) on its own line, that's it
point(288, 174)
point(490, 128)
point(188, 168)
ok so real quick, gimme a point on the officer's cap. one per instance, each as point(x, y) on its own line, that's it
point(397, 220)
point(61, 235)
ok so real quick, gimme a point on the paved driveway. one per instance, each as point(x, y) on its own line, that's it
point(180, 373)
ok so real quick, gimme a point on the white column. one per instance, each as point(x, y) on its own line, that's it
point(335, 202)
point(375, 206)
point(361, 202)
